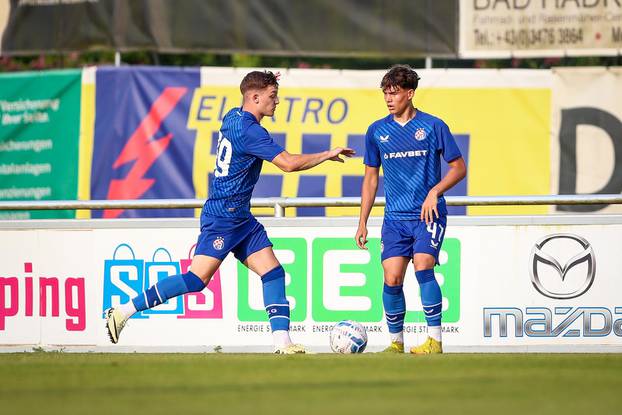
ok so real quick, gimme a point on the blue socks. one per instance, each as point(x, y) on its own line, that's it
point(274, 298)
point(394, 307)
point(168, 288)
point(431, 297)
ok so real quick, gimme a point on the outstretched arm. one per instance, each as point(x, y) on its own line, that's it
point(297, 162)
point(457, 172)
point(368, 195)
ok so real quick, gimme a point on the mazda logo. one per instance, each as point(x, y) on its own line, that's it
point(538, 255)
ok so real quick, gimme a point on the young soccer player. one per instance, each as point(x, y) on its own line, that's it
point(227, 224)
point(408, 144)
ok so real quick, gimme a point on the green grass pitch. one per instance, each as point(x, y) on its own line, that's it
point(218, 383)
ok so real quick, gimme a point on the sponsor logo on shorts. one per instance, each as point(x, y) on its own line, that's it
point(219, 243)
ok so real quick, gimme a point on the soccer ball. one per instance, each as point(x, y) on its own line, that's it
point(347, 337)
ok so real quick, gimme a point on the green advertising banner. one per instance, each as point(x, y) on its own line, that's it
point(39, 133)
point(343, 282)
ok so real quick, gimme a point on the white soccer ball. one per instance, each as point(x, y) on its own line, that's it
point(347, 337)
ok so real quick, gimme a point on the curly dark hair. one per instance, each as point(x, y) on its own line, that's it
point(400, 76)
point(258, 80)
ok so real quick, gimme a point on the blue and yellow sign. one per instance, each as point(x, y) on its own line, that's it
point(503, 133)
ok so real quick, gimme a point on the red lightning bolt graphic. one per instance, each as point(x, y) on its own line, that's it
point(144, 150)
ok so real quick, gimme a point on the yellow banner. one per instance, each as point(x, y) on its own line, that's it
point(507, 128)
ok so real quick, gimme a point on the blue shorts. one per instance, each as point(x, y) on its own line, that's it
point(242, 236)
point(409, 237)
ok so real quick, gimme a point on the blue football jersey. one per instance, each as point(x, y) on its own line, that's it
point(410, 156)
point(243, 145)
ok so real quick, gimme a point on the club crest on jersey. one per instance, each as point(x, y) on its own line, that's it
point(420, 134)
point(384, 138)
point(219, 243)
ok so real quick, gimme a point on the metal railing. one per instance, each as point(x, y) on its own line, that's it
point(279, 204)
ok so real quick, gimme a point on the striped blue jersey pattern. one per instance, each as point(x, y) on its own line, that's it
point(410, 157)
point(243, 144)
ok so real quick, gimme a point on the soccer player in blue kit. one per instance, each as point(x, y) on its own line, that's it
point(227, 224)
point(408, 144)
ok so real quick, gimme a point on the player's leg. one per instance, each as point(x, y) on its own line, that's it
point(396, 249)
point(256, 253)
point(394, 301)
point(201, 271)
point(432, 302)
point(429, 239)
point(265, 264)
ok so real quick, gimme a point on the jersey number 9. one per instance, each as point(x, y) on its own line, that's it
point(223, 156)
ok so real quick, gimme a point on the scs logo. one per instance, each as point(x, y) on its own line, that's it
point(126, 276)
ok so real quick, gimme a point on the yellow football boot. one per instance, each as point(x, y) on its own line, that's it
point(115, 321)
point(430, 346)
point(290, 349)
point(394, 347)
